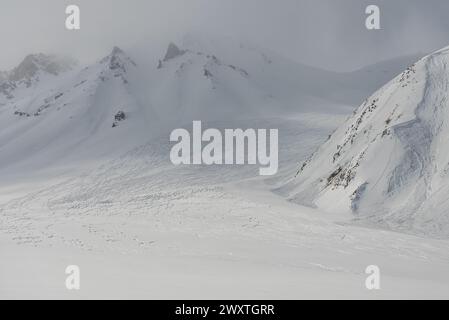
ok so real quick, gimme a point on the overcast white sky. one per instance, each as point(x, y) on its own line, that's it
point(326, 33)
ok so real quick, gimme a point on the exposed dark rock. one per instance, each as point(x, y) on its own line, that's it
point(207, 73)
point(173, 51)
point(22, 114)
point(120, 116)
point(118, 61)
point(242, 71)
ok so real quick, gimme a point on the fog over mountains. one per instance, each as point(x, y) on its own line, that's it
point(86, 176)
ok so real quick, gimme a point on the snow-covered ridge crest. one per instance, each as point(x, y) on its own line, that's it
point(389, 163)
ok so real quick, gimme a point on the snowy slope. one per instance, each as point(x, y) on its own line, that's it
point(219, 78)
point(388, 163)
point(53, 113)
point(140, 227)
point(197, 85)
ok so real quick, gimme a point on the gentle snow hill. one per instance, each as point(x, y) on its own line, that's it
point(389, 163)
point(82, 114)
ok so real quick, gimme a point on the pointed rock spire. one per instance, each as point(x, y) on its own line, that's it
point(47, 63)
point(173, 51)
point(118, 60)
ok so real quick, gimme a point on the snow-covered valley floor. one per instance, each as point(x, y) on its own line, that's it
point(138, 227)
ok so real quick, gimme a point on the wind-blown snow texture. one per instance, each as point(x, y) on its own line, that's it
point(85, 179)
point(389, 163)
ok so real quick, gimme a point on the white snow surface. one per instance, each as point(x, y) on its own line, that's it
point(82, 185)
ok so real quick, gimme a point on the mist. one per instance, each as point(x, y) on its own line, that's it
point(327, 33)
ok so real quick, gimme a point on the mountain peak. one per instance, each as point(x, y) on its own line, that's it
point(116, 51)
point(118, 60)
point(173, 51)
point(32, 63)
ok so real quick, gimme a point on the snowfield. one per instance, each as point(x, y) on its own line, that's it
point(200, 232)
point(82, 184)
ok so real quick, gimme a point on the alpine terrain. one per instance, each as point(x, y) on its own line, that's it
point(86, 178)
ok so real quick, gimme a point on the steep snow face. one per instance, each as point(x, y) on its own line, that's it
point(389, 163)
point(85, 114)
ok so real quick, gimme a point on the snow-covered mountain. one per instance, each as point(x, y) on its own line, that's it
point(389, 162)
point(81, 113)
point(52, 111)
